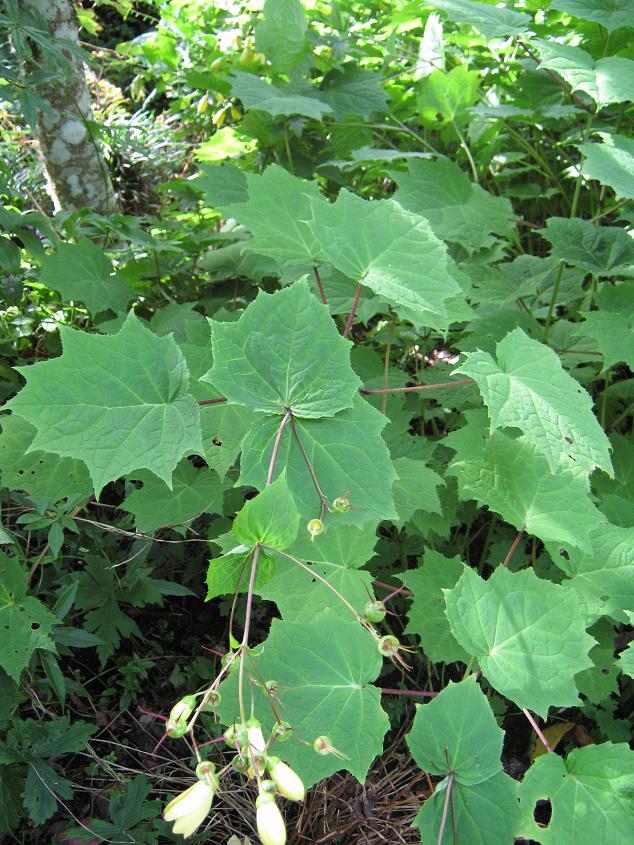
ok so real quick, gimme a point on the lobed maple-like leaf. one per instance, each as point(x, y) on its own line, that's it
point(323, 672)
point(119, 403)
point(284, 352)
point(527, 388)
point(527, 633)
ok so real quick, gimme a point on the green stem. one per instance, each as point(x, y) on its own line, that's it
point(553, 302)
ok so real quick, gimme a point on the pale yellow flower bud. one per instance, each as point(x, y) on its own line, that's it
point(271, 827)
point(189, 809)
point(288, 783)
point(255, 737)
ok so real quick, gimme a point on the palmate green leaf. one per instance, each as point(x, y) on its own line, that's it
point(415, 489)
point(600, 681)
point(603, 575)
point(194, 491)
point(607, 80)
point(284, 352)
point(527, 633)
point(611, 162)
point(224, 428)
point(512, 479)
point(38, 473)
point(282, 34)
point(348, 457)
point(337, 556)
point(527, 388)
point(626, 661)
point(351, 90)
point(614, 336)
point(426, 615)
point(270, 519)
point(611, 14)
point(385, 247)
point(255, 93)
point(484, 814)
point(457, 210)
point(600, 250)
point(446, 97)
point(222, 184)
point(25, 623)
point(82, 272)
point(229, 574)
point(490, 21)
point(119, 403)
point(324, 671)
point(278, 214)
point(591, 794)
point(457, 732)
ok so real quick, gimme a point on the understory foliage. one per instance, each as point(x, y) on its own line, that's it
point(364, 384)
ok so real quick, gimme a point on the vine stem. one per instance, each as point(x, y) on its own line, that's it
point(324, 501)
point(322, 292)
point(276, 445)
point(353, 311)
point(553, 301)
point(367, 392)
point(513, 549)
point(445, 809)
point(538, 730)
point(411, 692)
point(402, 591)
point(386, 367)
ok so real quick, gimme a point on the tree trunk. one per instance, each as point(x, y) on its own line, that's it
point(77, 174)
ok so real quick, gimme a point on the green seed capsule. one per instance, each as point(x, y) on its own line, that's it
point(374, 611)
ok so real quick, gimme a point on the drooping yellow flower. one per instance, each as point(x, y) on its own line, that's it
point(288, 783)
point(188, 810)
point(271, 827)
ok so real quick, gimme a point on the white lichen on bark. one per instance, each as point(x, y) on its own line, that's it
point(77, 174)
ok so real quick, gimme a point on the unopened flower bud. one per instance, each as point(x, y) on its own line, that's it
point(271, 827)
point(232, 734)
point(314, 528)
point(255, 736)
point(289, 784)
point(183, 709)
point(374, 611)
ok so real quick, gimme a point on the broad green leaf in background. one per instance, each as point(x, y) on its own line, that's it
point(514, 480)
point(271, 518)
point(446, 97)
point(527, 633)
point(611, 14)
point(255, 93)
point(614, 336)
point(591, 794)
point(415, 489)
point(600, 250)
point(491, 21)
point(385, 247)
point(603, 575)
point(600, 681)
point(222, 184)
point(484, 814)
point(25, 622)
point(611, 162)
point(626, 658)
point(278, 214)
point(527, 388)
point(337, 556)
point(353, 90)
point(607, 80)
point(284, 352)
point(281, 34)
point(457, 732)
point(118, 403)
point(348, 457)
point(83, 273)
point(324, 672)
point(426, 615)
point(223, 429)
point(229, 574)
point(457, 210)
point(178, 319)
point(194, 491)
point(38, 473)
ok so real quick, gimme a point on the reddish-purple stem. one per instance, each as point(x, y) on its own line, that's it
point(212, 741)
point(390, 587)
point(276, 445)
point(393, 593)
point(513, 549)
point(212, 401)
point(537, 730)
point(154, 715)
point(322, 292)
point(411, 692)
point(366, 392)
point(353, 311)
